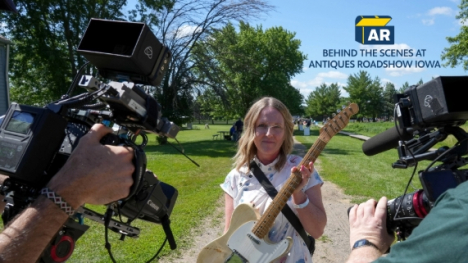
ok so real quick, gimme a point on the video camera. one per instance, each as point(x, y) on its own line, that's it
point(36, 142)
point(425, 115)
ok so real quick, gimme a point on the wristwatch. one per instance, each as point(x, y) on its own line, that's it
point(364, 242)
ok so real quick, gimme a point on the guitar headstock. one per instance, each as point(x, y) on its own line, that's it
point(339, 121)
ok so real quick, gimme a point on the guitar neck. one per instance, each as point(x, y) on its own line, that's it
point(328, 130)
point(266, 221)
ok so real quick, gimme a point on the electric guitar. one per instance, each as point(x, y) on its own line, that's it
point(247, 237)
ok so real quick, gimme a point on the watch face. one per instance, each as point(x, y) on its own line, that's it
point(359, 243)
point(364, 242)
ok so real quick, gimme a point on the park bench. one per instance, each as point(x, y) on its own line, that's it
point(215, 136)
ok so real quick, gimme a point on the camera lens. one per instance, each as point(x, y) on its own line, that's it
point(406, 212)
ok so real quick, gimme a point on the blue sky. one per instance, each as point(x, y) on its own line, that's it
point(330, 24)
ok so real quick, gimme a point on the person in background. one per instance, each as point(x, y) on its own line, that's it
point(268, 140)
point(232, 131)
point(239, 126)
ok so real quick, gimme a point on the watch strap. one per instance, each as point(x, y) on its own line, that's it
point(364, 242)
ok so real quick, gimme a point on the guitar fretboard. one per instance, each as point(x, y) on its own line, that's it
point(331, 128)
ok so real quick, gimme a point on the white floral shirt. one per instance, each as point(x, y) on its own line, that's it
point(245, 188)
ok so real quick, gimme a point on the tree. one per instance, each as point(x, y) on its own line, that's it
point(45, 37)
point(388, 98)
point(246, 65)
point(457, 53)
point(181, 27)
point(365, 92)
point(323, 101)
point(402, 89)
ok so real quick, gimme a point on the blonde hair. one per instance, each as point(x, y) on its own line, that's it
point(247, 149)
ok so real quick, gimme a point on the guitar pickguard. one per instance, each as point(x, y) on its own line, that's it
point(253, 249)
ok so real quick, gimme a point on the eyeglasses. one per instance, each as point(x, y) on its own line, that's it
point(263, 129)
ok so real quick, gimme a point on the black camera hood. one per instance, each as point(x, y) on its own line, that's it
point(125, 51)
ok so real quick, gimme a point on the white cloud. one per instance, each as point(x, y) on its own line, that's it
point(185, 30)
point(306, 87)
point(429, 18)
point(332, 74)
point(447, 11)
point(385, 81)
point(462, 22)
point(395, 72)
point(428, 22)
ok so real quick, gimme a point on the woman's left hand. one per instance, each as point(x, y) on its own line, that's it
point(306, 174)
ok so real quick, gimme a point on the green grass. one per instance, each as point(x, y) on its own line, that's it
point(198, 189)
point(368, 128)
point(343, 163)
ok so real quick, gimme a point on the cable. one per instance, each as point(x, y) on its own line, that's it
point(182, 152)
point(444, 153)
point(75, 80)
point(412, 175)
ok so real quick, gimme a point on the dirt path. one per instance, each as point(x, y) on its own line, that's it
point(332, 247)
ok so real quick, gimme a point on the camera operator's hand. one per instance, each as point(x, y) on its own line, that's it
point(368, 221)
point(95, 173)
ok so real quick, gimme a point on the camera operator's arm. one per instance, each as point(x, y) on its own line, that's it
point(94, 173)
point(2, 203)
point(368, 222)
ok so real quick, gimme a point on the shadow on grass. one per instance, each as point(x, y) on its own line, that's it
point(216, 148)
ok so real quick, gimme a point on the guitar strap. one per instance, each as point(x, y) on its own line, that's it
point(287, 212)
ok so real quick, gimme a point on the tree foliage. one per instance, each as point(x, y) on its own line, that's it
point(45, 36)
point(457, 53)
point(181, 27)
point(404, 87)
point(366, 92)
point(323, 101)
point(388, 99)
point(242, 66)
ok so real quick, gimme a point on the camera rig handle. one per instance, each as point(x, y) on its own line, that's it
point(416, 150)
point(139, 160)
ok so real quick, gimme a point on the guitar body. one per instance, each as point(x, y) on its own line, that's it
point(252, 249)
point(217, 251)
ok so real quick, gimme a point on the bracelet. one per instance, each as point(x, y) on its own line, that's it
point(58, 200)
point(306, 202)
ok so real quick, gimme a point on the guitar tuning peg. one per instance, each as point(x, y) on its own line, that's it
point(343, 107)
point(334, 114)
point(338, 111)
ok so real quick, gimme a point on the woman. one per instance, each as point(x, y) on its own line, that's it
point(268, 139)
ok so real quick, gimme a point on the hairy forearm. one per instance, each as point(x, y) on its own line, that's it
point(2, 203)
point(363, 255)
point(24, 239)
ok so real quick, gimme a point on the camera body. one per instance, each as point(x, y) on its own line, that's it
point(425, 115)
point(36, 142)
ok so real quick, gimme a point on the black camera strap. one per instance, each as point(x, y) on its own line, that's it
point(287, 212)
